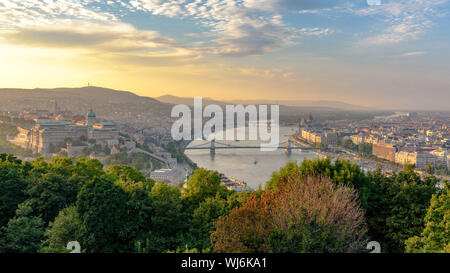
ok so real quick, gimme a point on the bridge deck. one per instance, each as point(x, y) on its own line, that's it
point(249, 147)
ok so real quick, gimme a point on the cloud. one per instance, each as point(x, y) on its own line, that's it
point(290, 4)
point(398, 20)
point(406, 19)
point(240, 27)
point(272, 73)
point(415, 53)
point(235, 27)
point(34, 23)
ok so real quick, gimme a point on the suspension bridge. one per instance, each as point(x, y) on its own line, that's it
point(214, 145)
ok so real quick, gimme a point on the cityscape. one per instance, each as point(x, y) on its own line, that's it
point(225, 135)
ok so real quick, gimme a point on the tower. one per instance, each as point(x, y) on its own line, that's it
point(55, 108)
point(213, 147)
point(91, 118)
point(288, 150)
point(310, 119)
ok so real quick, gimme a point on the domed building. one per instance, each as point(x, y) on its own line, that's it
point(91, 118)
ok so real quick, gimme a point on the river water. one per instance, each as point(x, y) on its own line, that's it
point(251, 165)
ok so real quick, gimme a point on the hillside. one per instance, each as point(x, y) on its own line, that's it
point(310, 104)
point(111, 104)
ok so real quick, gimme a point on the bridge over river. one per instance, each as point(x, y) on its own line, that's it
point(214, 145)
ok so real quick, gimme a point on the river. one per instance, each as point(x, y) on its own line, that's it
point(251, 165)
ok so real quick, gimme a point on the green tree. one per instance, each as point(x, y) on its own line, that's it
point(168, 220)
point(139, 208)
point(397, 207)
point(203, 184)
point(50, 193)
point(102, 207)
point(12, 187)
point(204, 218)
point(23, 233)
point(435, 238)
point(66, 227)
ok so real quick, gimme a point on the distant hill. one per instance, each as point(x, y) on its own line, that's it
point(127, 107)
point(188, 100)
point(320, 104)
point(108, 103)
point(292, 111)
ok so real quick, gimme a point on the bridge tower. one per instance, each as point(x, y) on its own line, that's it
point(288, 150)
point(213, 147)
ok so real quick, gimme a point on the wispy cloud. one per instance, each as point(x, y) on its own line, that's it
point(406, 20)
point(414, 53)
point(399, 20)
point(71, 25)
point(239, 26)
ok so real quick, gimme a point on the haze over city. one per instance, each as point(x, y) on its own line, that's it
point(386, 56)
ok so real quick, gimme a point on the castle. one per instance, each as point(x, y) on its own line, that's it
point(39, 138)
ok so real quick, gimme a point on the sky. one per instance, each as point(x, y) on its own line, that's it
point(365, 52)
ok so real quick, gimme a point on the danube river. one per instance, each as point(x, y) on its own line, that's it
point(251, 165)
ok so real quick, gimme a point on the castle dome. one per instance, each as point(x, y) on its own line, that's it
point(91, 114)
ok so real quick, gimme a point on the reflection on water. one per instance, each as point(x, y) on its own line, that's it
point(251, 165)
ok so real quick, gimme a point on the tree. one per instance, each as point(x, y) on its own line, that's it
point(51, 192)
point(203, 184)
point(88, 169)
point(23, 233)
point(12, 187)
point(204, 218)
point(306, 214)
point(313, 214)
point(168, 220)
point(102, 207)
point(341, 172)
point(246, 229)
point(126, 173)
point(66, 227)
point(139, 206)
point(435, 238)
point(397, 207)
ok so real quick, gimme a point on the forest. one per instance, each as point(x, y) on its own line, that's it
point(318, 206)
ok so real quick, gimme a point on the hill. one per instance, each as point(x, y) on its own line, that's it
point(121, 106)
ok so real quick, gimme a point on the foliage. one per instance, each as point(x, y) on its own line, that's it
point(435, 237)
point(203, 184)
point(316, 206)
point(23, 233)
point(137, 160)
point(341, 172)
point(168, 221)
point(66, 227)
point(397, 207)
point(102, 209)
point(204, 218)
point(12, 186)
point(309, 214)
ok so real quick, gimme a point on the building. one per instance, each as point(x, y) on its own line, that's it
point(357, 139)
point(311, 137)
point(425, 159)
point(385, 151)
point(421, 159)
point(406, 158)
point(43, 136)
point(170, 176)
point(331, 138)
point(91, 118)
point(328, 138)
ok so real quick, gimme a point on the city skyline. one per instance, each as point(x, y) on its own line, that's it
point(395, 53)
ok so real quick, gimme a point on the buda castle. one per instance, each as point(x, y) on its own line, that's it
point(39, 138)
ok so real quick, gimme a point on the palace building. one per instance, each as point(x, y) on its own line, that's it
point(39, 138)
